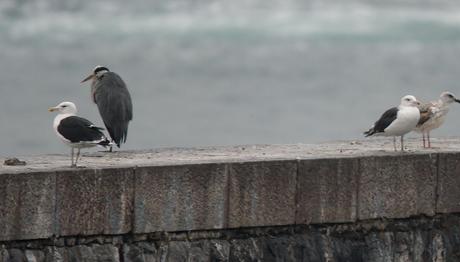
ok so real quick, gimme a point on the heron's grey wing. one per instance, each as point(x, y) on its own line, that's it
point(114, 103)
point(426, 113)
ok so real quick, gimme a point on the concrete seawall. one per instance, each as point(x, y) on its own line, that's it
point(335, 202)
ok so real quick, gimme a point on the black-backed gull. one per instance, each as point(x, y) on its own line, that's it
point(397, 121)
point(75, 131)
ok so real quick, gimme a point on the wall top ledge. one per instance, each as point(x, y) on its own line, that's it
point(230, 154)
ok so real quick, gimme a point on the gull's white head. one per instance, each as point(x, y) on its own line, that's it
point(448, 97)
point(64, 108)
point(409, 100)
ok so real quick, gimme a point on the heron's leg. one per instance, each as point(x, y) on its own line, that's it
point(402, 143)
point(394, 143)
point(429, 142)
point(71, 157)
point(78, 154)
point(423, 135)
point(110, 150)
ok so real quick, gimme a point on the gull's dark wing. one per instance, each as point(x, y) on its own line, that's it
point(77, 129)
point(384, 121)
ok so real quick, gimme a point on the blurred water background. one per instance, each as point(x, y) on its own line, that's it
point(214, 72)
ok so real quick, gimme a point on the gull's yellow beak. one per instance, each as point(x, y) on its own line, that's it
point(88, 78)
point(52, 109)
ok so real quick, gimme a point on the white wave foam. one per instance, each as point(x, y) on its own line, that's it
point(284, 20)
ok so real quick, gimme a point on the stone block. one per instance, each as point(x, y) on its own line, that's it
point(34, 255)
point(95, 252)
point(250, 249)
point(142, 252)
point(178, 251)
point(262, 193)
point(327, 190)
point(97, 201)
point(448, 183)
point(178, 198)
point(27, 202)
point(397, 186)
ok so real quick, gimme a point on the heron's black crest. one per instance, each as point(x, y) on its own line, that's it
point(100, 68)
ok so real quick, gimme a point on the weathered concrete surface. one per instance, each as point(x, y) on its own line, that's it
point(187, 197)
point(94, 201)
point(448, 183)
point(327, 190)
point(228, 154)
point(397, 186)
point(262, 193)
point(27, 204)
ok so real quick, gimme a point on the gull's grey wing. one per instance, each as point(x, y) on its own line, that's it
point(426, 112)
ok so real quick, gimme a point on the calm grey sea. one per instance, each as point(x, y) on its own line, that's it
point(225, 72)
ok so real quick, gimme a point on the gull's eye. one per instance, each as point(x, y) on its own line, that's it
point(408, 99)
point(64, 105)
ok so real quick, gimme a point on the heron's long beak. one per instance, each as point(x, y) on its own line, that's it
point(88, 78)
point(52, 109)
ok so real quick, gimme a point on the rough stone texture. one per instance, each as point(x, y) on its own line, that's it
point(262, 193)
point(145, 252)
point(90, 202)
point(176, 198)
point(412, 239)
point(448, 183)
point(27, 205)
point(106, 253)
point(327, 190)
point(397, 186)
point(34, 255)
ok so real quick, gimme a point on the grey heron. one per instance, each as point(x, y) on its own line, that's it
point(397, 121)
point(433, 114)
point(76, 132)
point(110, 94)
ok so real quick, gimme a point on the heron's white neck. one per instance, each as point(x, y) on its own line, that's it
point(100, 73)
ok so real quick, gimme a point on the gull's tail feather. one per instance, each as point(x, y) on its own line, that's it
point(105, 143)
point(369, 132)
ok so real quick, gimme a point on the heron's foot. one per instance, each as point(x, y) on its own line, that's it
point(73, 166)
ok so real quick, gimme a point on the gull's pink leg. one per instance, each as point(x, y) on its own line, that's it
point(429, 142)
